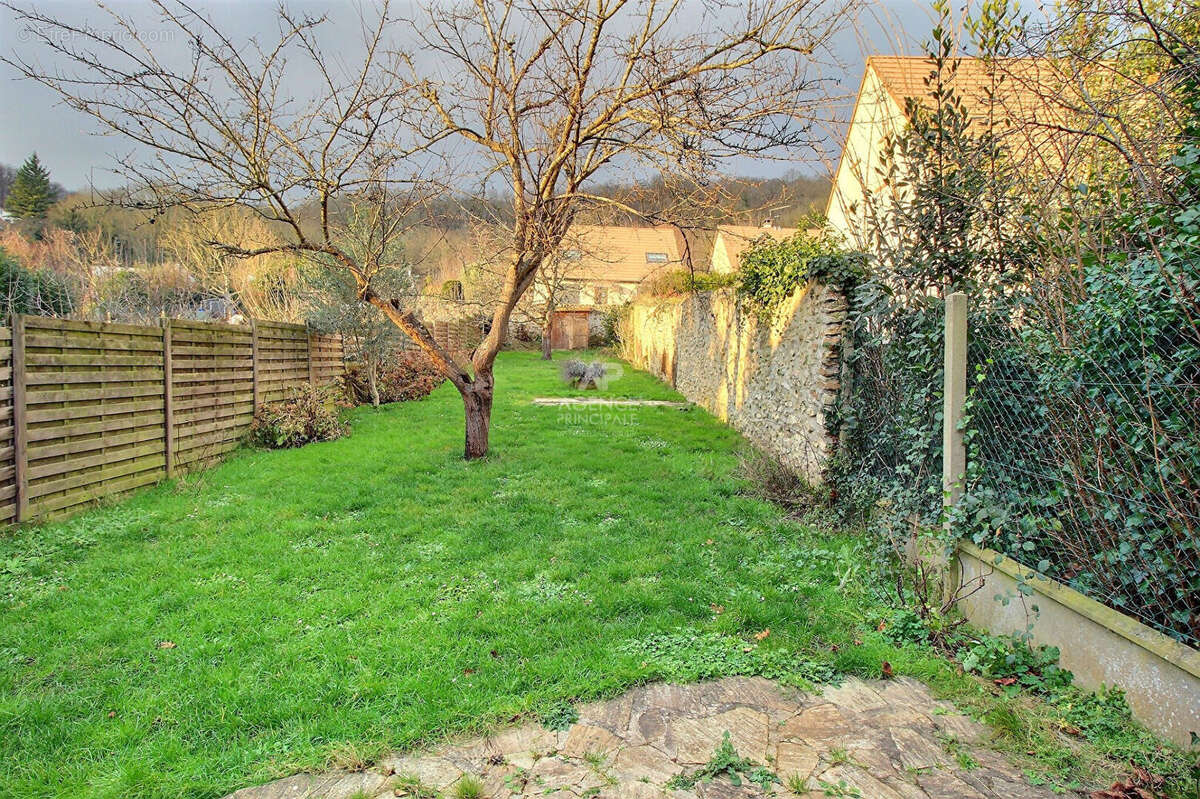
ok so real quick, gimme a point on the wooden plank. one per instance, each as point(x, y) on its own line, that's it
point(86, 463)
point(205, 389)
point(214, 376)
point(79, 481)
point(203, 350)
point(187, 326)
point(168, 389)
point(53, 432)
point(109, 392)
point(97, 359)
point(54, 447)
point(75, 500)
point(194, 447)
point(199, 458)
point(198, 417)
point(195, 365)
point(97, 412)
point(20, 420)
point(79, 325)
point(34, 343)
point(193, 408)
point(271, 326)
point(42, 378)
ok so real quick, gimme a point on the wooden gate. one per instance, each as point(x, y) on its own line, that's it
point(569, 329)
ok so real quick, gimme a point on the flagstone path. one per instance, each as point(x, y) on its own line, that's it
point(875, 740)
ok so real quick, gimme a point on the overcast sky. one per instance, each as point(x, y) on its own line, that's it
point(32, 120)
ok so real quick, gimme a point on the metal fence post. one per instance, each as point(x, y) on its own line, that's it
point(20, 427)
point(954, 453)
point(168, 400)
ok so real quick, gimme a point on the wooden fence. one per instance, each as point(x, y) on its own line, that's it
point(89, 410)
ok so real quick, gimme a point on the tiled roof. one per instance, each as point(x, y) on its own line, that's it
point(612, 253)
point(1023, 87)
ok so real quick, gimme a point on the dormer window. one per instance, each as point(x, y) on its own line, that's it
point(656, 257)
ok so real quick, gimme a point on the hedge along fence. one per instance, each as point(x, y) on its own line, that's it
point(90, 410)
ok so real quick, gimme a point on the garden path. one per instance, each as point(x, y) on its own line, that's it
point(876, 740)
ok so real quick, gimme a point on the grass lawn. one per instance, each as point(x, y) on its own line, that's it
point(286, 610)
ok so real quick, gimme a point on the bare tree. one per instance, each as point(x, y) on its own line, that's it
point(548, 96)
point(555, 95)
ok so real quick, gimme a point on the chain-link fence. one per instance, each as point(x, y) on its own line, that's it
point(1082, 443)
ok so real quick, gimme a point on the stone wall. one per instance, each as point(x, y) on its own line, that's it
point(775, 383)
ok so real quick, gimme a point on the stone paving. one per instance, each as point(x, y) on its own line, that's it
point(875, 740)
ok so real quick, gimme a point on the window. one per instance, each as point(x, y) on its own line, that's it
point(656, 257)
point(600, 295)
point(572, 255)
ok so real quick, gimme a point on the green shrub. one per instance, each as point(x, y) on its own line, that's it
point(1013, 664)
point(307, 414)
point(771, 270)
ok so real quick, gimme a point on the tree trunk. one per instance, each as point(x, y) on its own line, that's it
point(546, 342)
point(477, 402)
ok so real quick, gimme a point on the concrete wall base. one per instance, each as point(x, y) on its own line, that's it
point(1160, 676)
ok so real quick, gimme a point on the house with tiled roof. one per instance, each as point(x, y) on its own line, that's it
point(1015, 93)
point(731, 240)
point(604, 264)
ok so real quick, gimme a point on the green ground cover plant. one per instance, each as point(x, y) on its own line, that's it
point(296, 609)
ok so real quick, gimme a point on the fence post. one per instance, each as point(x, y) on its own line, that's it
point(312, 369)
point(954, 453)
point(168, 400)
point(254, 363)
point(20, 428)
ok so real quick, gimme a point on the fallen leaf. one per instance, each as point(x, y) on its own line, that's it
point(717, 609)
point(882, 626)
point(112, 714)
point(1005, 680)
point(858, 642)
point(887, 670)
point(166, 644)
point(760, 636)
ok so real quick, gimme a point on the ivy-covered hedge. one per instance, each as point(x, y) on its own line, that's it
point(771, 270)
point(1083, 427)
point(1085, 458)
